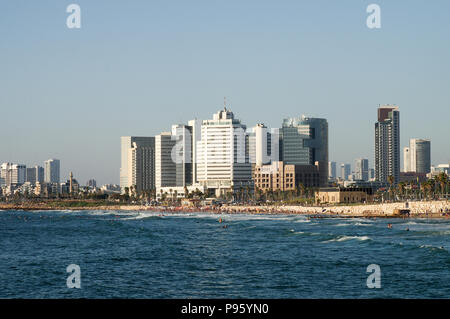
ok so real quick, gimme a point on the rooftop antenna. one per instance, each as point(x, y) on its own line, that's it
point(224, 103)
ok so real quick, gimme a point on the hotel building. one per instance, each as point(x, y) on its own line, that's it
point(387, 143)
point(223, 163)
point(137, 163)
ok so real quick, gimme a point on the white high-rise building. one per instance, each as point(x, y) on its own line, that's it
point(406, 160)
point(52, 171)
point(222, 154)
point(420, 155)
point(196, 131)
point(362, 169)
point(262, 145)
point(13, 174)
point(346, 170)
point(332, 170)
point(165, 160)
point(182, 154)
point(137, 163)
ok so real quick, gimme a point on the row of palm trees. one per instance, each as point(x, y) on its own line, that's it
point(433, 188)
point(243, 195)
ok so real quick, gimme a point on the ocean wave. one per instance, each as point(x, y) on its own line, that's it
point(431, 247)
point(292, 231)
point(362, 224)
point(143, 215)
point(302, 221)
point(346, 238)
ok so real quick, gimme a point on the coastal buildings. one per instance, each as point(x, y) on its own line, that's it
point(406, 160)
point(263, 145)
point(223, 163)
point(332, 170)
point(35, 174)
point(305, 142)
point(441, 168)
point(362, 169)
point(52, 171)
point(92, 183)
point(346, 170)
point(165, 165)
point(285, 177)
point(182, 154)
point(12, 174)
point(196, 126)
point(137, 163)
point(419, 156)
point(387, 143)
point(336, 195)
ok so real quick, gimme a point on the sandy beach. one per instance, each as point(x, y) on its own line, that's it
point(419, 209)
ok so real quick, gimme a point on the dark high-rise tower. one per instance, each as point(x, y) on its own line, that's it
point(387, 144)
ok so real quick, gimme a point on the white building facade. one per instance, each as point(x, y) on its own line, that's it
point(52, 171)
point(222, 154)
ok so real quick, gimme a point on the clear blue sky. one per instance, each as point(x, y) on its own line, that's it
point(136, 67)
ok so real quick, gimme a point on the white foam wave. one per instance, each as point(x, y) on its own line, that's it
point(345, 238)
point(362, 224)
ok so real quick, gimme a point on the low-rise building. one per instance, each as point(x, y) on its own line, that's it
point(285, 177)
point(336, 195)
point(177, 192)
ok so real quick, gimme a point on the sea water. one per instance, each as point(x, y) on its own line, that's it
point(192, 255)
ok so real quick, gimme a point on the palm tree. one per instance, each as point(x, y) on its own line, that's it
point(401, 189)
point(391, 182)
point(302, 189)
point(442, 178)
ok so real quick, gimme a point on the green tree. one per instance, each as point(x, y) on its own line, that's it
point(391, 183)
point(442, 178)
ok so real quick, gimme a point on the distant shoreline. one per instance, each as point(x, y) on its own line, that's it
point(426, 209)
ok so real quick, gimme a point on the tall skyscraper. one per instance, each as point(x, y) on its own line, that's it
point(260, 147)
point(332, 170)
point(35, 174)
point(420, 155)
point(346, 170)
point(165, 160)
point(387, 143)
point(362, 169)
point(305, 142)
point(196, 129)
point(222, 154)
point(182, 153)
point(137, 163)
point(52, 171)
point(12, 174)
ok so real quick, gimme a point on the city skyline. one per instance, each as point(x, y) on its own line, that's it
point(81, 90)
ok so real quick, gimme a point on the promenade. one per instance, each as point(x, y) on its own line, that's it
point(425, 209)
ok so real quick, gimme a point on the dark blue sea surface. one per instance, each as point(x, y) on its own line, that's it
point(144, 255)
